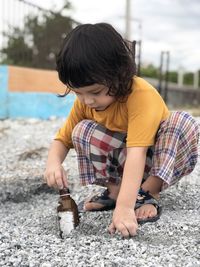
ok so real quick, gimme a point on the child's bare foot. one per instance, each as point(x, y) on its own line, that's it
point(93, 206)
point(147, 210)
point(152, 185)
point(112, 195)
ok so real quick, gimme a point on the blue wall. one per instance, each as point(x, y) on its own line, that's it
point(37, 105)
point(3, 92)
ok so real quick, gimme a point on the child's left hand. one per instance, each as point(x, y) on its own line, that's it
point(124, 221)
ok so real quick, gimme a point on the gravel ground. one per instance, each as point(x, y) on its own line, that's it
point(28, 228)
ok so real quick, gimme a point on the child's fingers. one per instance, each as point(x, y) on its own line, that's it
point(64, 179)
point(65, 183)
point(59, 179)
point(50, 179)
point(111, 228)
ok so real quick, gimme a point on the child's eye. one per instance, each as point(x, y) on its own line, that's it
point(96, 93)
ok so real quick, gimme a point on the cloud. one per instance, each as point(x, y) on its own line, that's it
point(172, 25)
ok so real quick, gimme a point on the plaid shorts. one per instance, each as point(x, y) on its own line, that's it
point(101, 153)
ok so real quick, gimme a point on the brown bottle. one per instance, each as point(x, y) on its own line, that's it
point(67, 210)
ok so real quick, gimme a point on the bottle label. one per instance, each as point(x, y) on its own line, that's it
point(66, 222)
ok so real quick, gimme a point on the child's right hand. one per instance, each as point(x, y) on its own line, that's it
point(124, 221)
point(55, 176)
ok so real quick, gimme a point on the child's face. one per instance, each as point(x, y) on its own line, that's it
point(95, 96)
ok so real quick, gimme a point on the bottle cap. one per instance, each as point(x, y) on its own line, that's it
point(64, 192)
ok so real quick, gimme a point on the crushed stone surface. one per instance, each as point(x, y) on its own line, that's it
point(29, 235)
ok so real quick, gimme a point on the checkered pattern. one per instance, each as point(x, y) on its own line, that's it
point(101, 153)
point(81, 136)
point(176, 148)
point(108, 154)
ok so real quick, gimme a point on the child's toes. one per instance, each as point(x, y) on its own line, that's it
point(140, 213)
point(152, 214)
point(148, 214)
point(145, 211)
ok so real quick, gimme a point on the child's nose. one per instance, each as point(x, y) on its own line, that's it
point(89, 101)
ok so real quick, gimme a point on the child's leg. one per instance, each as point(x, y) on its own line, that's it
point(175, 155)
point(176, 149)
point(153, 185)
point(100, 162)
point(101, 155)
point(81, 136)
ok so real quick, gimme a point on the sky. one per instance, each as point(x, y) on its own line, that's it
point(162, 25)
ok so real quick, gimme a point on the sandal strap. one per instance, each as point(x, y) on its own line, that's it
point(145, 198)
point(103, 199)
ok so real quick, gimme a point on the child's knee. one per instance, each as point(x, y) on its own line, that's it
point(83, 130)
point(80, 128)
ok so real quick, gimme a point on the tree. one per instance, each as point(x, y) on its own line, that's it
point(149, 71)
point(173, 76)
point(188, 78)
point(37, 44)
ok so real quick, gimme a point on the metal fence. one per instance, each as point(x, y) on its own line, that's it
point(16, 44)
point(13, 14)
point(30, 35)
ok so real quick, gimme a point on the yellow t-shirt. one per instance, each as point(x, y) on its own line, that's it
point(139, 117)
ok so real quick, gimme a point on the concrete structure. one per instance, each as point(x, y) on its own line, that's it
point(26, 92)
point(180, 96)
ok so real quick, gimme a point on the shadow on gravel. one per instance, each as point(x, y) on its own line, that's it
point(33, 154)
point(24, 196)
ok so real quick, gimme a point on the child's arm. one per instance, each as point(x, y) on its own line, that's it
point(124, 219)
point(55, 175)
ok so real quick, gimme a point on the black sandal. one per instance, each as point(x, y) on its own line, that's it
point(103, 198)
point(145, 198)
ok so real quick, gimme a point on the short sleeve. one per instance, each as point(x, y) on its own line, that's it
point(76, 115)
point(145, 113)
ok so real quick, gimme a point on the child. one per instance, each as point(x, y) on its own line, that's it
point(124, 135)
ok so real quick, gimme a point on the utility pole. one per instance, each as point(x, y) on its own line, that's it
point(164, 74)
point(196, 80)
point(128, 34)
point(128, 20)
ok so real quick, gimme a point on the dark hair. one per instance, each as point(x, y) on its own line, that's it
point(96, 53)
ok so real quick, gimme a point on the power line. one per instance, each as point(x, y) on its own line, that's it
point(35, 6)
